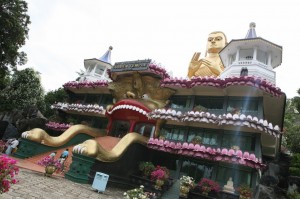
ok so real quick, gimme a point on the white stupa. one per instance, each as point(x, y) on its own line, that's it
point(252, 56)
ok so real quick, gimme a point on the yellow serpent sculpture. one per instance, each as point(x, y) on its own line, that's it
point(41, 136)
point(92, 149)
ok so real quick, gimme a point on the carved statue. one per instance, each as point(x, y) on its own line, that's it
point(145, 89)
point(211, 64)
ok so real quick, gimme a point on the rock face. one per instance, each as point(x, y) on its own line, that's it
point(264, 192)
point(294, 183)
point(19, 121)
point(273, 183)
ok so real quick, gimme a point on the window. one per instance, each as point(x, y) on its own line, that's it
point(90, 68)
point(262, 57)
point(180, 102)
point(210, 104)
point(247, 106)
point(120, 128)
point(232, 58)
point(174, 134)
point(106, 99)
point(92, 99)
point(246, 143)
point(144, 129)
point(238, 176)
point(196, 169)
point(193, 132)
point(246, 54)
point(99, 70)
point(210, 139)
point(208, 136)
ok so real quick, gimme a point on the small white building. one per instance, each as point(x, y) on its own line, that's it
point(252, 56)
point(96, 69)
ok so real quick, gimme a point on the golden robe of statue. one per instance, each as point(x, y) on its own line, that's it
point(211, 64)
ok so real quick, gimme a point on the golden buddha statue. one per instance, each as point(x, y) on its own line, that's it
point(211, 64)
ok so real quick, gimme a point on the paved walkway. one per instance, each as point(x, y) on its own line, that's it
point(33, 184)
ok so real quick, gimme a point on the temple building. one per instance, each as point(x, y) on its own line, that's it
point(226, 126)
point(96, 69)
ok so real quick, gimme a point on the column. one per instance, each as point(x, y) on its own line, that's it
point(237, 56)
point(255, 53)
point(269, 58)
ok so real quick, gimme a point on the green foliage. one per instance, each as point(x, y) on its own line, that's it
point(13, 33)
point(53, 97)
point(146, 168)
point(295, 165)
point(24, 90)
point(294, 195)
point(291, 137)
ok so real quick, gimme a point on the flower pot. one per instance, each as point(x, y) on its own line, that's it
point(184, 190)
point(159, 184)
point(49, 170)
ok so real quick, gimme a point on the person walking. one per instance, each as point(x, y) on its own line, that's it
point(64, 155)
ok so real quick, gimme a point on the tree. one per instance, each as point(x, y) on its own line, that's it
point(53, 97)
point(24, 90)
point(292, 124)
point(13, 33)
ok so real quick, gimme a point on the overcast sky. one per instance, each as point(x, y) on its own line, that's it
point(64, 33)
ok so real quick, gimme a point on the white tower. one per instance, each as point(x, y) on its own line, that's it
point(252, 56)
point(96, 69)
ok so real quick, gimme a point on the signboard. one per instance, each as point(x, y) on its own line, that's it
point(131, 65)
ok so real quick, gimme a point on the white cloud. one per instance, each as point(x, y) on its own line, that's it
point(64, 33)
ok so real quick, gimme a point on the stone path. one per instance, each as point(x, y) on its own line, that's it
point(34, 184)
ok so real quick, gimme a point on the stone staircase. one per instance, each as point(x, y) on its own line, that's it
point(173, 192)
point(68, 161)
point(107, 142)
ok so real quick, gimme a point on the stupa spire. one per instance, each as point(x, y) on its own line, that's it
point(251, 32)
point(106, 56)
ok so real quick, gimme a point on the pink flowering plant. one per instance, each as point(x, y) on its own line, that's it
point(8, 170)
point(207, 185)
point(50, 161)
point(160, 173)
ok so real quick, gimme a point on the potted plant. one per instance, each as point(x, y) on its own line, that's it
point(197, 140)
point(206, 186)
point(159, 175)
point(51, 165)
point(186, 183)
point(146, 168)
point(8, 170)
point(139, 193)
point(245, 192)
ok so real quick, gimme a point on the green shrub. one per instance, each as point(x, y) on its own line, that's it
point(146, 168)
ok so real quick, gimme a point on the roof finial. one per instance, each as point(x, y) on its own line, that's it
point(252, 25)
point(106, 56)
point(251, 32)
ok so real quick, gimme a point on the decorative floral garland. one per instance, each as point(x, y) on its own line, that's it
point(58, 126)
point(224, 83)
point(225, 119)
point(153, 67)
point(200, 151)
point(90, 108)
point(86, 84)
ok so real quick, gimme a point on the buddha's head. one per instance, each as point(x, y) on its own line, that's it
point(216, 42)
